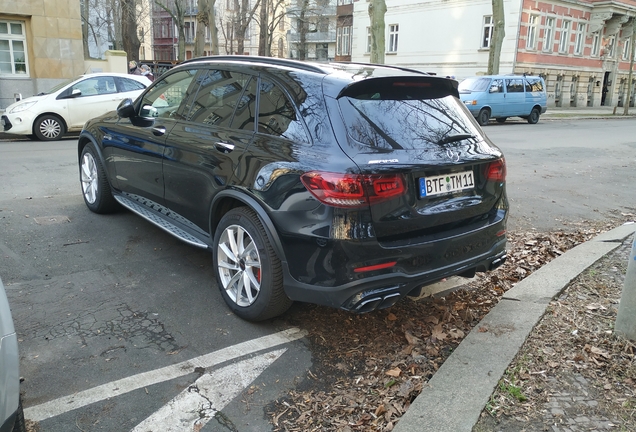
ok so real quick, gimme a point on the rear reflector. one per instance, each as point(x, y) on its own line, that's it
point(375, 267)
point(352, 190)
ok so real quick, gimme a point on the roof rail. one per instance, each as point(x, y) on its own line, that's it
point(380, 65)
point(297, 64)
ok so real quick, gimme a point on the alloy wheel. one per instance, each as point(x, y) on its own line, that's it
point(239, 265)
point(89, 178)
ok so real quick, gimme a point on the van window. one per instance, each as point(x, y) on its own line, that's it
point(534, 85)
point(514, 85)
point(473, 85)
point(496, 86)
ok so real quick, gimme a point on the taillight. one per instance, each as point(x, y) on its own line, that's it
point(352, 190)
point(496, 171)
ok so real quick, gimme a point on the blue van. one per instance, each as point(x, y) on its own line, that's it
point(503, 96)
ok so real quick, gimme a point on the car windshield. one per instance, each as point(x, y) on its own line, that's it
point(404, 123)
point(473, 85)
point(59, 86)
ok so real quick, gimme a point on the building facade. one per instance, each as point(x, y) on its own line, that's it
point(312, 32)
point(40, 45)
point(580, 47)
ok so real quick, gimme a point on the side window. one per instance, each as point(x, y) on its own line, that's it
point(96, 86)
point(127, 84)
point(496, 86)
point(218, 96)
point(534, 85)
point(244, 116)
point(514, 85)
point(276, 114)
point(167, 98)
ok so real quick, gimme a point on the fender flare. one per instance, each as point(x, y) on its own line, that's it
point(252, 203)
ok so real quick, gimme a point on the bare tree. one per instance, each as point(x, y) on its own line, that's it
point(177, 10)
point(498, 33)
point(270, 16)
point(377, 10)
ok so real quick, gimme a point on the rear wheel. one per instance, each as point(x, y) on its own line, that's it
point(533, 118)
point(95, 187)
point(248, 271)
point(48, 128)
point(483, 117)
point(501, 119)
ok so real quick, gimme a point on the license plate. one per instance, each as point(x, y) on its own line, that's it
point(437, 185)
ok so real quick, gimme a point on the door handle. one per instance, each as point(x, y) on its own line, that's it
point(224, 147)
point(158, 131)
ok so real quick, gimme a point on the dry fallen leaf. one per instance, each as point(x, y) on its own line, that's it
point(394, 372)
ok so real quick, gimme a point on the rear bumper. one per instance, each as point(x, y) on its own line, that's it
point(416, 265)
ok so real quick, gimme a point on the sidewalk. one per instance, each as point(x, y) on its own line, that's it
point(555, 113)
point(458, 392)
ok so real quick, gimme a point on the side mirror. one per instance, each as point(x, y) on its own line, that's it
point(76, 92)
point(126, 109)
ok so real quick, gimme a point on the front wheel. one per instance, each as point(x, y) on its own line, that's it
point(48, 128)
point(95, 187)
point(533, 118)
point(483, 117)
point(248, 272)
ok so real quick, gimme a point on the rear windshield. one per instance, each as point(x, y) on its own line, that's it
point(380, 121)
point(473, 85)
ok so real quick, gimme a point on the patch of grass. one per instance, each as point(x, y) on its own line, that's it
point(513, 391)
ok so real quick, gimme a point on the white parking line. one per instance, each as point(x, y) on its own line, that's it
point(68, 403)
point(195, 406)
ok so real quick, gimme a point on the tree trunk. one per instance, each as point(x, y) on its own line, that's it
point(263, 28)
point(630, 76)
point(498, 33)
point(302, 31)
point(214, 33)
point(130, 40)
point(85, 24)
point(202, 23)
point(377, 10)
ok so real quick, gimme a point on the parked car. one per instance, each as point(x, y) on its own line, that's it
point(346, 185)
point(503, 96)
point(67, 106)
point(11, 415)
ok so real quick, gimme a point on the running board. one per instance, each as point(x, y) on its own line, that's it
point(160, 222)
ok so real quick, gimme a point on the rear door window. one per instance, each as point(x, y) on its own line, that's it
point(405, 117)
point(218, 96)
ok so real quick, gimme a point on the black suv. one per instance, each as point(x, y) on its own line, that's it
point(342, 184)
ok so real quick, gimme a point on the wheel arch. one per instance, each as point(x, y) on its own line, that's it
point(228, 199)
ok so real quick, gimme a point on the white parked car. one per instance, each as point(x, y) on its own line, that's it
point(11, 415)
point(67, 106)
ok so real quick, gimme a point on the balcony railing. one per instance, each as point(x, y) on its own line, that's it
point(314, 37)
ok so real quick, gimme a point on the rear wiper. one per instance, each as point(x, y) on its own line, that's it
point(455, 138)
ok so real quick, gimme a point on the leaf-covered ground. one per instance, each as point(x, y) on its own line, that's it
point(369, 368)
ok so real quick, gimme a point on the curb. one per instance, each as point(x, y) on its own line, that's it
point(458, 392)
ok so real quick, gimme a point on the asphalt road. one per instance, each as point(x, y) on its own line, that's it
point(100, 302)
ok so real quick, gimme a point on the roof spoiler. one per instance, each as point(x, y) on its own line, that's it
point(409, 87)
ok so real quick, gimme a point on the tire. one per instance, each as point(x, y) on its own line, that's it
point(483, 117)
point(95, 187)
point(501, 119)
point(248, 272)
point(49, 128)
point(20, 423)
point(533, 118)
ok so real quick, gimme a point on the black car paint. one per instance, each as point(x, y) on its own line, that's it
point(317, 244)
